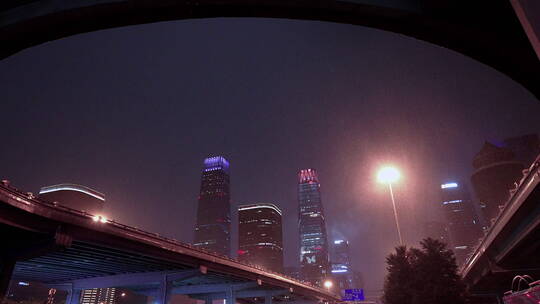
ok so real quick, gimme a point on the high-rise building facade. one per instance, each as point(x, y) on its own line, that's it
point(314, 256)
point(342, 273)
point(496, 171)
point(99, 296)
point(526, 148)
point(463, 224)
point(260, 238)
point(438, 231)
point(212, 230)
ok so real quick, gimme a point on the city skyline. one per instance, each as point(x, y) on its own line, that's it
point(132, 112)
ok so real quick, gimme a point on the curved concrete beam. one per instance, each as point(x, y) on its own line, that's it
point(486, 30)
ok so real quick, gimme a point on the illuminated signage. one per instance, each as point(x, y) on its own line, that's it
point(449, 185)
point(311, 259)
point(452, 202)
point(351, 295)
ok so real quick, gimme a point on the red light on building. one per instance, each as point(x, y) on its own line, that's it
point(308, 176)
point(240, 252)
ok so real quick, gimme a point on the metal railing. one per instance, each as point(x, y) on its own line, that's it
point(31, 198)
point(527, 174)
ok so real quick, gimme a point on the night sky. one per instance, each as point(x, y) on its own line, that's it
point(133, 111)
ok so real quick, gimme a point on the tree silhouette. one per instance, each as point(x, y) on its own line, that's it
point(423, 276)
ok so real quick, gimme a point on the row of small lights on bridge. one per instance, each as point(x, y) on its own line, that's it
point(102, 219)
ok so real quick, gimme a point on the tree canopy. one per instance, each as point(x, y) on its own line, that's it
point(423, 276)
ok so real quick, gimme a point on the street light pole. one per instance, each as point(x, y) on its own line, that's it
point(388, 175)
point(395, 213)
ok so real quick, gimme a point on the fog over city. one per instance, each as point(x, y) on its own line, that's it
point(132, 112)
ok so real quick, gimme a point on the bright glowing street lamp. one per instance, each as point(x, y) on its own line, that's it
point(389, 175)
point(328, 284)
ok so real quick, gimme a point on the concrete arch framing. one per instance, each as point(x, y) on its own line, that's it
point(488, 31)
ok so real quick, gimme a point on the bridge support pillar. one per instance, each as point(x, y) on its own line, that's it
point(164, 293)
point(6, 270)
point(74, 296)
point(230, 297)
point(268, 299)
point(208, 300)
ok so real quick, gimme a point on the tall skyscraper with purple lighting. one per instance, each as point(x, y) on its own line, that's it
point(212, 230)
point(314, 257)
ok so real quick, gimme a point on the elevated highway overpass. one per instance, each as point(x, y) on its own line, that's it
point(512, 245)
point(71, 250)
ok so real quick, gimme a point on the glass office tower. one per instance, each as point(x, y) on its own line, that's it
point(212, 230)
point(314, 258)
point(341, 266)
point(260, 237)
point(462, 220)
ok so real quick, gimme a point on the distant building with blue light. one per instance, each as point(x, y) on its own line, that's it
point(342, 273)
point(314, 255)
point(212, 230)
point(463, 224)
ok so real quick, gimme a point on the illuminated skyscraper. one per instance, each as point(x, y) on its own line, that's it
point(260, 238)
point(212, 230)
point(314, 259)
point(341, 266)
point(463, 225)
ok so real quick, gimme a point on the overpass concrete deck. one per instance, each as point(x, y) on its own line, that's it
point(486, 30)
point(512, 245)
point(72, 250)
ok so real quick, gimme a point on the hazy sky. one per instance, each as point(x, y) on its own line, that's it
point(133, 111)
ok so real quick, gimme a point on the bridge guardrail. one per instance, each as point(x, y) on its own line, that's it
point(477, 249)
point(30, 198)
